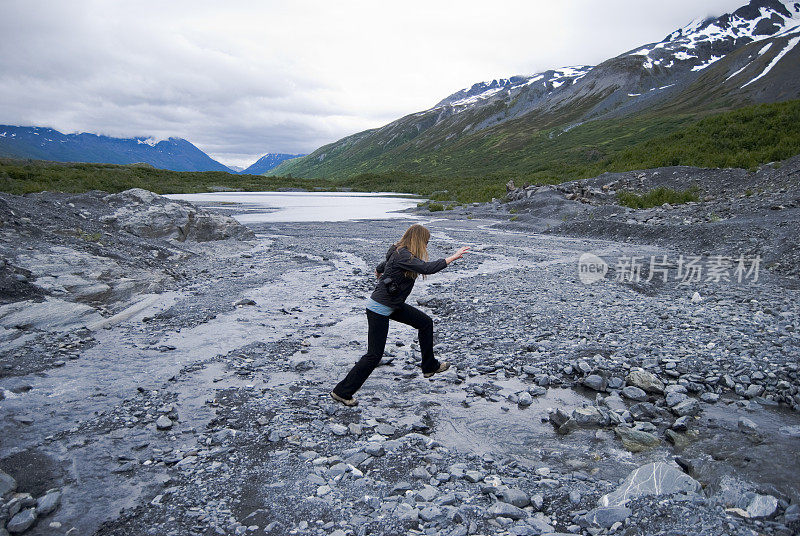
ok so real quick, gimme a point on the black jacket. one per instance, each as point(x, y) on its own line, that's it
point(393, 285)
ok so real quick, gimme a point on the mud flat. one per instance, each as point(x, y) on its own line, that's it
point(619, 407)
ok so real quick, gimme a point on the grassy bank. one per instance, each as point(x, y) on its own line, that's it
point(26, 176)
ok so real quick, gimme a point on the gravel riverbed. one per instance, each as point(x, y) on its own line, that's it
point(616, 407)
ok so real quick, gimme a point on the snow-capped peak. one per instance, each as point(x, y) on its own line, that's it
point(704, 41)
point(151, 141)
point(482, 91)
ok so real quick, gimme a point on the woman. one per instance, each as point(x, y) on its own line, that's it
point(396, 276)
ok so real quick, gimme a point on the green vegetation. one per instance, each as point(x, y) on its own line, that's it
point(25, 176)
point(477, 168)
point(435, 207)
point(743, 138)
point(657, 197)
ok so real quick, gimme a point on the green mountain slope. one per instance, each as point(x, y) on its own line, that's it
point(554, 133)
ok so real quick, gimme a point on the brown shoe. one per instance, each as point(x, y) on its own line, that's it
point(349, 402)
point(444, 365)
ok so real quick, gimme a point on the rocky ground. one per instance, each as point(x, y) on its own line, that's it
point(196, 402)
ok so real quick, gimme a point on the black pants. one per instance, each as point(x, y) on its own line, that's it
point(376, 342)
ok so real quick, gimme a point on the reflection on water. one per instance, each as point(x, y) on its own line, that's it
point(256, 207)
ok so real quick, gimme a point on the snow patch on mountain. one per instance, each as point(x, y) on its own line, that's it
point(789, 46)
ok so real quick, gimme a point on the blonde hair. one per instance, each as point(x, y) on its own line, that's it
point(415, 240)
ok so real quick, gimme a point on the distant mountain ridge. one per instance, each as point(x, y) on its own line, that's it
point(39, 143)
point(745, 57)
point(268, 162)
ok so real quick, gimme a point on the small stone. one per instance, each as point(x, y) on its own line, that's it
point(762, 506)
point(355, 428)
point(595, 382)
point(421, 473)
point(709, 398)
point(373, 448)
point(474, 476)
point(680, 440)
point(427, 493)
point(753, 390)
point(645, 381)
point(525, 399)
point(400, 488)
point(746, 425)
point(48, 503)
point(673, 399)
point(606, 516)
point(690, 406)
point(430, 513)
point(502, 509)
point(537, 390)
point(792, 513)
point(681, 424)
point(634, 393)
point(22, 521)
point(385, 429)
point(7, 483)
point(696, 298)
point(338, 429)
point(514, 496)
point(636, 440)
point(164, 423)
point(407, 514)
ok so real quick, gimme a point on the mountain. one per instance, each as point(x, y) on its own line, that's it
point(175, 154)
point(236, 169)
point(546, 126)
point(268, 162)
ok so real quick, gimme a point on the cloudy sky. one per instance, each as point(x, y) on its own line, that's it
point(240, 79)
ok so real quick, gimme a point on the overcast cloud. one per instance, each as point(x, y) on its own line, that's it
point(240, 79)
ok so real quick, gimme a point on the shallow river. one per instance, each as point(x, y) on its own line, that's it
point(259, 207)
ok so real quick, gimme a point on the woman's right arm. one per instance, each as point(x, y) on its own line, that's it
point(457, 255)
point(411, 263)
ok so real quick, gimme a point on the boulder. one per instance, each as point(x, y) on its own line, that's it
point(149, 215)
point(657, 478)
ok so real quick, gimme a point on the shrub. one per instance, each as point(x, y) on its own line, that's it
point(435, 207)
point(657, 197)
